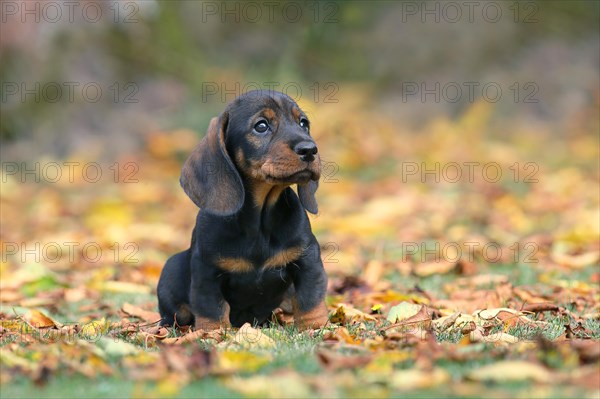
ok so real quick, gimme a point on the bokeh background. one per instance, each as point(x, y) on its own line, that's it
point(129, 87)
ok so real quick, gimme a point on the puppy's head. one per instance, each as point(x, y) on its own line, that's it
point(263, 136)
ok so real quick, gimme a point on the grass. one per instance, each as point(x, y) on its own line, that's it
point(295, 351)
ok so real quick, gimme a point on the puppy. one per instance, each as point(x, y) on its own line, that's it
point(252, 246)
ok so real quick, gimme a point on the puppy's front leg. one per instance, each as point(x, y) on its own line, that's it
point(310, 283)
point(210, 309)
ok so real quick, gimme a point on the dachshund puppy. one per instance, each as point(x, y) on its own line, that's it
point(252, 246)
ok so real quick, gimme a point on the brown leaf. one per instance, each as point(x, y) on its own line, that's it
point(345, 313)
point(441, 266)
point(588, 350)
point(408, 314)
point(342, 335)
point(332, 361)
point(373, 272)
point(145, 315)
point(540, 307)
point(37, 319)
point(478, 335)
point(192, 336)
point(508, 317)
point(445, 323)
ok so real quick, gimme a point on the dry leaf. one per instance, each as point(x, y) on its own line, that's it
point(249, 337)
point(407, 313)
point(511, 370)
point(145, 315)
point(419, 379)
point(435, 267)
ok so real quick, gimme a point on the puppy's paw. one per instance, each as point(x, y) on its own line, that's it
point(205, 324)
point(312, 319)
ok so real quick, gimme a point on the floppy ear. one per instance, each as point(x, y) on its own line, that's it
point(306, 192)
point(209, 177)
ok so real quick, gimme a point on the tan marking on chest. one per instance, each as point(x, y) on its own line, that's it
point(284, 257)
point(235, 265)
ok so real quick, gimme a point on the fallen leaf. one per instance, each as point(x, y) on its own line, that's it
point(117, 348)
point(508, 317)
point(287, 385)
point(373, 272)
point(347, 314)
point(238, 361)
point(407, 313)
point(576, 261)
point(145, 315)
point(37, 319)
point(444, 323)
point(419, 379)
point(478, 335)
point(122, 287)
point(249, 337)
point(435, 267)
point(511, 370)
point(331, 360)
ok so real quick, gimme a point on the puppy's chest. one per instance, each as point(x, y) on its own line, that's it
point(257, 256)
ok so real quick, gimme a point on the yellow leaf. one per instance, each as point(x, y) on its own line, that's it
point(234, 361)
point(9, 359)
point(289, 385)
point(122, 287)
point(403, 311)
point(576, 261)
point(513, 370)
point(249, 337)
point(419, 379)
point(118, 348)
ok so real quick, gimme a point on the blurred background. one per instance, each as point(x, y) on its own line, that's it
point(173, 65)
point(103, 101)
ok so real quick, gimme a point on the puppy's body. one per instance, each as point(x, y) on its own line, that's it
point(252, 244)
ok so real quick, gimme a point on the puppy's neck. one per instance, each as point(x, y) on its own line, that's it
point(265, 195)
point(256, 214)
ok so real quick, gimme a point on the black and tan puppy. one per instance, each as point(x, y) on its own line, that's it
point(252, 245)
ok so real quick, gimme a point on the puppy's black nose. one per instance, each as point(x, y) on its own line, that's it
point(306, 150)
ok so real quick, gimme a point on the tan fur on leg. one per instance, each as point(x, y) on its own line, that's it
point(206, 324)
point(314, 318)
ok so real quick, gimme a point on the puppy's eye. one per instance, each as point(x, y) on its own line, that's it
point(304, 123)
point(261, 127)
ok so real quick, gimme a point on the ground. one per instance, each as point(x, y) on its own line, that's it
point(462, 261)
